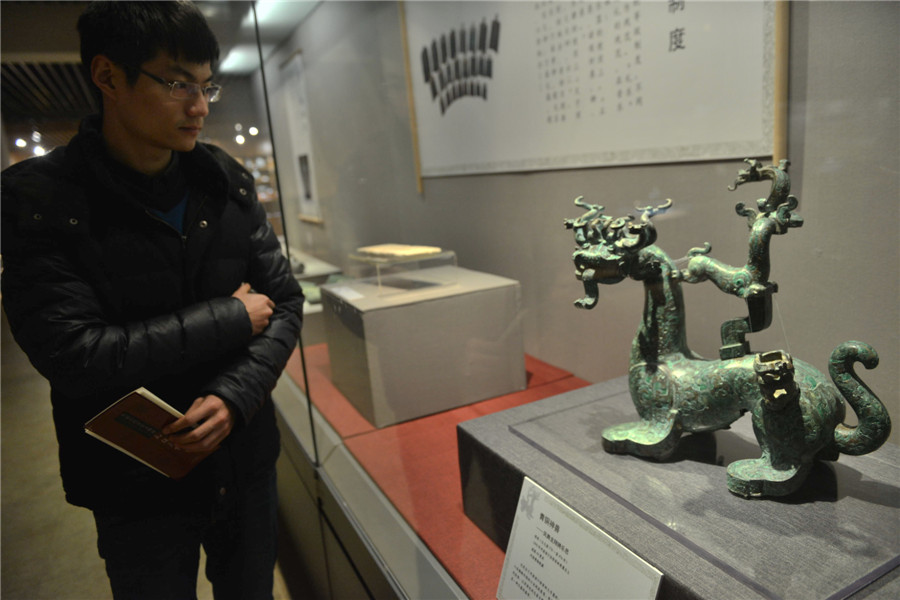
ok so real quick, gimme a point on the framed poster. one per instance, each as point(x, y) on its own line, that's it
point(513, 86)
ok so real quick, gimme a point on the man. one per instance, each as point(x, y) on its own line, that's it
point(136, 256)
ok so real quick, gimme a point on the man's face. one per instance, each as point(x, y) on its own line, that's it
point(150, 119)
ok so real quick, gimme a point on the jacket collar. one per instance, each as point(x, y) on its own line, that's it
point(87, 158)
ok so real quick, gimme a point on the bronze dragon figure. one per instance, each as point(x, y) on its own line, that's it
point(797, 412)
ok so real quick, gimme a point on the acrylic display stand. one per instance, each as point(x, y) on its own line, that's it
point(389, 272)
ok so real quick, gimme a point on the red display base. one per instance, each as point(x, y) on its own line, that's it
point(416, 465)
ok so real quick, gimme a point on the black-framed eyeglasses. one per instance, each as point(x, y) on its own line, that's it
point(183, 90)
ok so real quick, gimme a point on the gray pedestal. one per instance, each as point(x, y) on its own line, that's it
point(837, 537)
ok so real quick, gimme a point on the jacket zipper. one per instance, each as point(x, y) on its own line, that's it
point(167, 225)
point(183, 235)
point(193, 222)
point(186, 287)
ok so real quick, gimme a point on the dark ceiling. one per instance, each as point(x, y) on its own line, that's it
point(40, 78)
point(44, 91)
point(43, 86)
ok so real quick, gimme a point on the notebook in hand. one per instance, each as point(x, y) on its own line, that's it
point(133, 425)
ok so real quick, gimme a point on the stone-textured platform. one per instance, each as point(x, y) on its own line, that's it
point(837, 537)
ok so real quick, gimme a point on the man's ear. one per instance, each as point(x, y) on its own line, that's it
point(106, 75)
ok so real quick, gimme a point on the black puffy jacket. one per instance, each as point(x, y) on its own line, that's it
point(103, 297)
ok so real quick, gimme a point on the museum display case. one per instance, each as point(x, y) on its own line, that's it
point(426, 389)
point(422, 505)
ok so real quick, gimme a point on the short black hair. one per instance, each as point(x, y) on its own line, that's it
point(131, 33)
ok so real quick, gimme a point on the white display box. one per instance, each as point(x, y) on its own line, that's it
point(424, 341)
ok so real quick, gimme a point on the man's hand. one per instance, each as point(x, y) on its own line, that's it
point(205, 425)
point(259, 307)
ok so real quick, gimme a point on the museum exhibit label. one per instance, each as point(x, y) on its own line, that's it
point(554, 553)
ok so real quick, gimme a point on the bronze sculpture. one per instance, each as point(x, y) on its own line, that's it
point(797, 413)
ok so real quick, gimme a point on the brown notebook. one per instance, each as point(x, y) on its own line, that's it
point(133, 425)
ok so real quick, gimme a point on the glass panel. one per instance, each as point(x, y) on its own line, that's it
point(346, 93)
point(241, 125)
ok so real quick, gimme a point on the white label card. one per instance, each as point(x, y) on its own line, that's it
point(555, 553)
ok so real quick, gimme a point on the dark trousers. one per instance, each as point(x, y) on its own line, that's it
point(151, 557)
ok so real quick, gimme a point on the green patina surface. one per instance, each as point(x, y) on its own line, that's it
point(797, 412)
